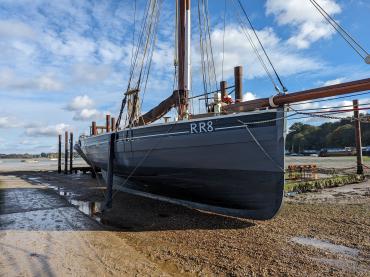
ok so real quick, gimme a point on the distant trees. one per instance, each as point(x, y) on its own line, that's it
point(328, 135)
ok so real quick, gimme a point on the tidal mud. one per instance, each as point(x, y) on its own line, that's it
point(52, 224)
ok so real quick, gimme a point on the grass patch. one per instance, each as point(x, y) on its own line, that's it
point(314, 185)
point(366, 158)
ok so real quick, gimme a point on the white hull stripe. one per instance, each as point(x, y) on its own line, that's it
point(156, 135)
point(166, 134)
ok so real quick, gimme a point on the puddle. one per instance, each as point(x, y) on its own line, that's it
point(351, 266)
point(291, 194)
point(59, 190)
point(326, 245)
point(34, 179)
point(89, 208)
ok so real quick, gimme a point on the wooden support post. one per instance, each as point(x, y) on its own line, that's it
point(356, 114)
point(66, 152)
point(238, 76)
point(107, 123)
point(93, 128)
point(223, 86)
point(113, 124)
point(59, 153)
point(108, 202)
point(71, 153)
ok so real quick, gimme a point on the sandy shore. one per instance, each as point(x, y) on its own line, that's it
point(42, 233)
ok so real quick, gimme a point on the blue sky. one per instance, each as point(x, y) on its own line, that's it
point(65, 63)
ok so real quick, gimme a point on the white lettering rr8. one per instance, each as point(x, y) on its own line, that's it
point(201, 127)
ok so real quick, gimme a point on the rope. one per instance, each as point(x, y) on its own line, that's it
point(263, 48)
point(154, 40)
point(255, 50)
point(223, 42)
point(205, 77)
point(343, 33)
point(144, 158)
point(141, 60)
point(261, 147)
point(134, 60)
point(210, 44)
point(310, 114)
point(334, 107)
point(331, 99)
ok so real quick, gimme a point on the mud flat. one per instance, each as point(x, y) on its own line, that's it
point(51, 225)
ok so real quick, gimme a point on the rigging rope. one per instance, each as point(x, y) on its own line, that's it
point(213, 67)
point(141, 61)
point(263, 48)
point(261, 147)
point(205, 89)
point(331, 98)
point(223, 41)
point(255, 49)
point(206, 50)
point(342, 32)
point(326, 116)
point(153, 44)
point(334, 107)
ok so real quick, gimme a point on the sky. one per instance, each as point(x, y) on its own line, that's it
point(65, 63)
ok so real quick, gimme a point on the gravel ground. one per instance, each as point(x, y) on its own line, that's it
point(328, 162)
point(325, 233)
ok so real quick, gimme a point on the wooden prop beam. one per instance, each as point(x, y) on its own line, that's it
point(283, 99)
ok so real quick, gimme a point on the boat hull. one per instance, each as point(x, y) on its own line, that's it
point(218, 164)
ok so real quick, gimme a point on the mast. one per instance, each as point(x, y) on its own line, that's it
point(183, 52)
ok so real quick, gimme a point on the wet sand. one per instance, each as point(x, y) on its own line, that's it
point(43, 234)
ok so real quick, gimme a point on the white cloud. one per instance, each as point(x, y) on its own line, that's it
point(70, 44)
point(239, 52)
point(47, 131)
point(334, 82)
point(88, 114)
point(9, 122)
point(29, 142)
point(83, 108)
point(90, 73)
point(309, 25)
point(249, 96)
point(79, 103)
point(110, 52)
point(11, 81)
point(48, 83)
point(16, 29)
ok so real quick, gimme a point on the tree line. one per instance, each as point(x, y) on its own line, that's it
point(338, 134)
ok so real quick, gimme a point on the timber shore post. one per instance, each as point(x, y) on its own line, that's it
point(108, 203)
point(71, 153)
point(59, 153)
point(113, 124)
point(107, 123)
point(66, 152)
point(356, 115)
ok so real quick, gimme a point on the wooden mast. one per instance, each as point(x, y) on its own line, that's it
point(179, 98)
point(183, 53)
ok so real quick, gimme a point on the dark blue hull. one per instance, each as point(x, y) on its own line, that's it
point(222, 166)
